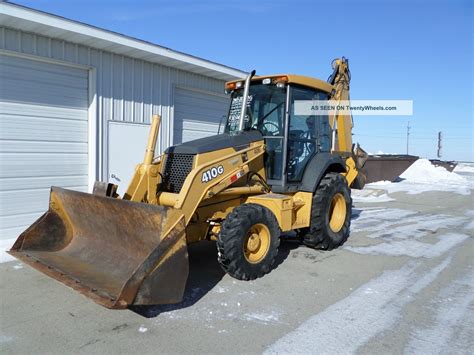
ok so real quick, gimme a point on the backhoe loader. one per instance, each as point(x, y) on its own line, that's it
point(272, 171)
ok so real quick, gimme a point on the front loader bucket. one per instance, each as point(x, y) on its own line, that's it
point(116, 252)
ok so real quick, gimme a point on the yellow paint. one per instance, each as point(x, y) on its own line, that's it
point(257, 243)
point(194, 190)
point(142, 188)
point(302, 202)
point(280, 205)
point(337, 212)
point(343, 122)
point(351, 171)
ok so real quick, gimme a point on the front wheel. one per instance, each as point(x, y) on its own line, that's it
point(330, 214)
point(248, 242)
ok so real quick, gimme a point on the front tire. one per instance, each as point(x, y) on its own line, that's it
point(248, 242)
point(331, 212)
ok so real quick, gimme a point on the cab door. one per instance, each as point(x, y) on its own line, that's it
point(307, 134)
point(271, 123)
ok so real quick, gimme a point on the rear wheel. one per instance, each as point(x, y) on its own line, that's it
point(330, 214)
point(248, 242)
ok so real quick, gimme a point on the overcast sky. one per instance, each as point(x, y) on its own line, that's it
point(410, 49)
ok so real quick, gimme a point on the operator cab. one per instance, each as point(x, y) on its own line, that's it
point(291, 139)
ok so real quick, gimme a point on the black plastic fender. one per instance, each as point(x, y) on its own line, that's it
point(319, 165)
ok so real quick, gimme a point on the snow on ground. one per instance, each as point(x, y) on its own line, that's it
point(226, 306)
point(388, 223)
point(375, 307)
point(470, 225)
point(378, 303)
point(370, 195)
point(453, 305)
point(413, 247)
point(400, 232)
point(422, 176)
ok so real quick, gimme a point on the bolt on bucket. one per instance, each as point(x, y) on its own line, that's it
point(116, 252)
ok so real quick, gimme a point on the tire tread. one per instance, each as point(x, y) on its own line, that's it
point(230, 241)
point(318, 235)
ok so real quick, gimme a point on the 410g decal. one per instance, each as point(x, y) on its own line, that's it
point(212, 173)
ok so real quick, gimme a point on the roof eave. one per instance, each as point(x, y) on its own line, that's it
point(29, 20)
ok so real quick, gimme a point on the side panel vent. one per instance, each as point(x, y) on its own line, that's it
point(177, 168)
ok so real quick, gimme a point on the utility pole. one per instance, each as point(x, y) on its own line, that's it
point(440, 143)
point(408, 135)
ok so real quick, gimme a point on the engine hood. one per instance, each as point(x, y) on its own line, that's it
point(218, 142)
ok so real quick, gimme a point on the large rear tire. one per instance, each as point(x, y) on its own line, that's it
point(330, 214)
point(248, 242)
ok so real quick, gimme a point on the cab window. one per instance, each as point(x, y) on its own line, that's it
point(265, 112)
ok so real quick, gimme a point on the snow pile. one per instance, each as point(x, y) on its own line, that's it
point(464, 168)
point(423, 176)
point(379, 152)
point(422, 171)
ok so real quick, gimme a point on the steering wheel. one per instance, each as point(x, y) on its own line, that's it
point(301, 144)
point(270, 129)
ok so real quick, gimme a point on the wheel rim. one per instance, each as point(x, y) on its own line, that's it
point(337, 212)
point(257, 243)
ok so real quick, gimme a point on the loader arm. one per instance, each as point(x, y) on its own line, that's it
point(231, 165)
point(143, 185)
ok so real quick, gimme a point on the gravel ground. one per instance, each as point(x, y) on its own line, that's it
point(403, 283)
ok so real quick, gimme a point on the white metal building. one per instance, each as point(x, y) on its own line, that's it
point(75, 103)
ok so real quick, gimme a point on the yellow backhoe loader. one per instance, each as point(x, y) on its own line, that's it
point(271, 171)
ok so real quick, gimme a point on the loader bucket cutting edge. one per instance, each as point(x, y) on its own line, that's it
point(116, 252)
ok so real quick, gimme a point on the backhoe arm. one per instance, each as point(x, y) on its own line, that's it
point(341, 121)
point(341, 125)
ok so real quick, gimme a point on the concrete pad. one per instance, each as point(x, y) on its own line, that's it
point(385, 291)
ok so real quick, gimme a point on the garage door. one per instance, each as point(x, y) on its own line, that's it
point(197, 114)
point(43, 137)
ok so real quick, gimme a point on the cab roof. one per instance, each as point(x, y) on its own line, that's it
point(295, 79)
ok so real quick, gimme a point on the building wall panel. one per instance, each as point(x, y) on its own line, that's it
point(127, 89)
point(43, 136)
